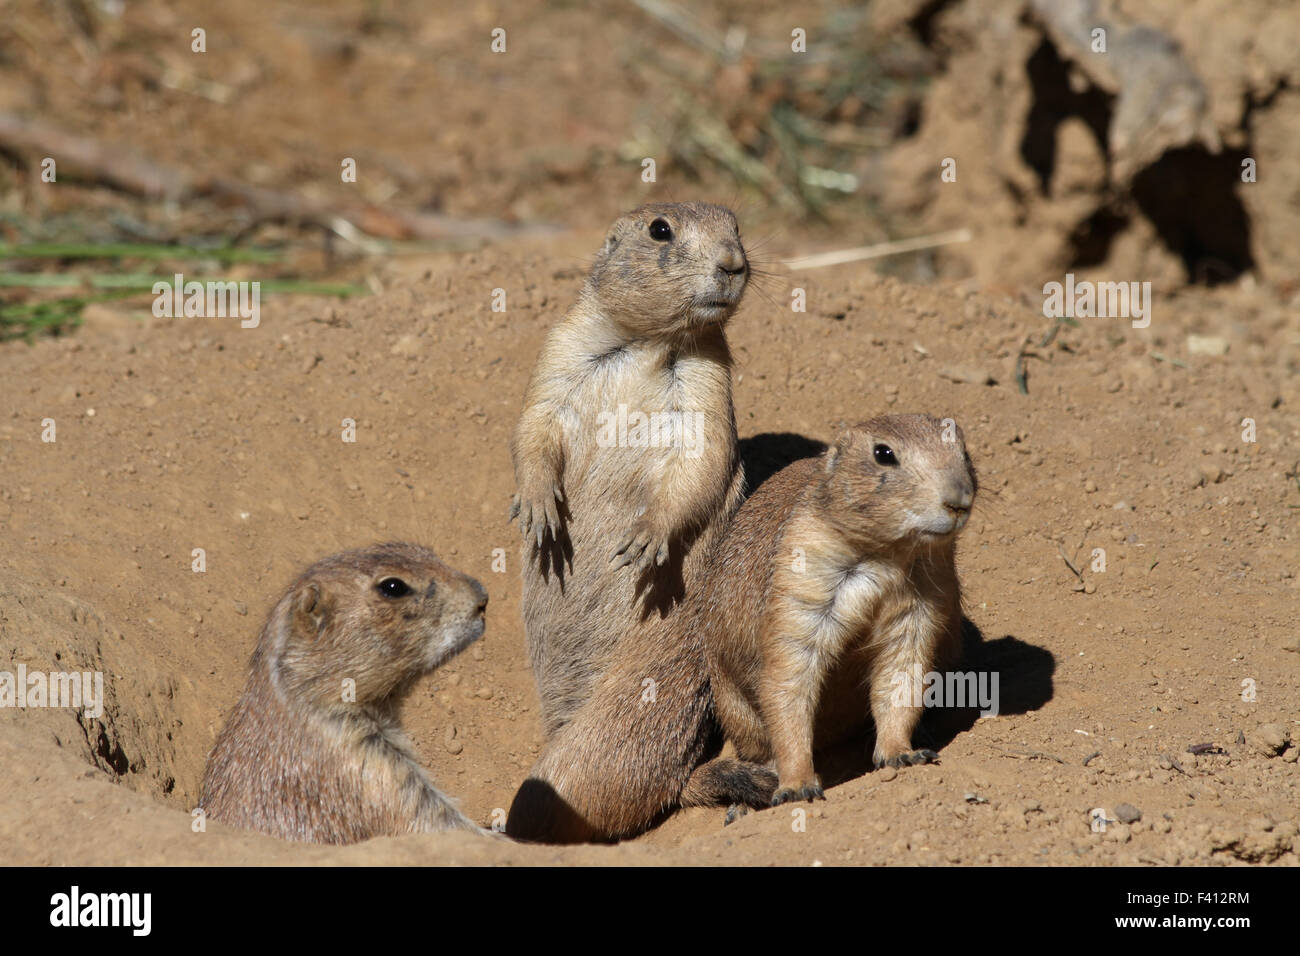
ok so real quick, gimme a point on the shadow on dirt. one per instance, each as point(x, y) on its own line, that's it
point(1024, 683)
point(766, 454)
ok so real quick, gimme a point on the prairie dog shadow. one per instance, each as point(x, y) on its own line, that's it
point(765, 454)
point(1024, 683)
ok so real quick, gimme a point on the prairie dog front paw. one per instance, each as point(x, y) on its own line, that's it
point(537, 508)
point(642, 547)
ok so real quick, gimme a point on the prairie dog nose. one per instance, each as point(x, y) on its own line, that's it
point(958, 495)
point(480, 596)
point(732, 260)
point(477, 597)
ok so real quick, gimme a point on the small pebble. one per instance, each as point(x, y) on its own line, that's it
point(1127, 813)
point(449, 740)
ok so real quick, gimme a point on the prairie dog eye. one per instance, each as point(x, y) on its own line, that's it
point(884, 455)
point(393, 588)
point(660, 231)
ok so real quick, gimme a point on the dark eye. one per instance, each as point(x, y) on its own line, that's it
point(660, 231)
point(393, 588)
point(884, 455)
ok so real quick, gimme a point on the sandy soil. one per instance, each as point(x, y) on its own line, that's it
point(177, 434)
point(195, 433)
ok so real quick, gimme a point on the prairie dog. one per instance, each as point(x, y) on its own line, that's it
point(836, 581)
point(625, 453)
point(617, 530)
point(304, 756)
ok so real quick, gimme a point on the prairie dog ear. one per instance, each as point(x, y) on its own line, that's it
point(834, 452)
point(611, 241)
point(312, 611)
point(831, 457)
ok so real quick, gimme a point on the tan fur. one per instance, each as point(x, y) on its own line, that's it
point(615, 537)
point(298, 761)
point(836, 575)
point(639, 336)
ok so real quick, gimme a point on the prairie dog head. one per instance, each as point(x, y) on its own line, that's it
point(670, 269)
point(899, 481)
point(381, 616)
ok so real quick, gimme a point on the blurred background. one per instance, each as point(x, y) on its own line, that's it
point(1134, 161)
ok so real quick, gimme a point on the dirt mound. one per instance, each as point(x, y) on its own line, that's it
point(1047, 137)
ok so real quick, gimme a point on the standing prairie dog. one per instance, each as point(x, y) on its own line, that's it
point(313, 750)
point(625, 453)
point(836, 581)
point(626, 465)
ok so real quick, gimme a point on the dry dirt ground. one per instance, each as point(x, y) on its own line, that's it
point(177, 434)
point(195, 433)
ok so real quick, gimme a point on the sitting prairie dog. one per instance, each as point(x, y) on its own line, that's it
point(304, 756)
point(625, 452)
point(837, 576)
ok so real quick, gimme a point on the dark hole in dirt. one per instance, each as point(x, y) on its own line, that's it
point(922, 22)
point(910, 121)
point(1188, 194)
point(1091, 239)
point(1054, 101)
point(1191, 198)
point(111, 754)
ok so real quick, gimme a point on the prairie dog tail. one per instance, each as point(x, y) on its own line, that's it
point(628, 757)
point(618, 765)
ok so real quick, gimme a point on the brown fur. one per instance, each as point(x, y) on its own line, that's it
point(836, 575)
point(615, 537)
point(634, 752)
point(295, 759)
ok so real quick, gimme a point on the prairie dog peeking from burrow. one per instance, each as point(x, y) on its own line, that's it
point(313, 751)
